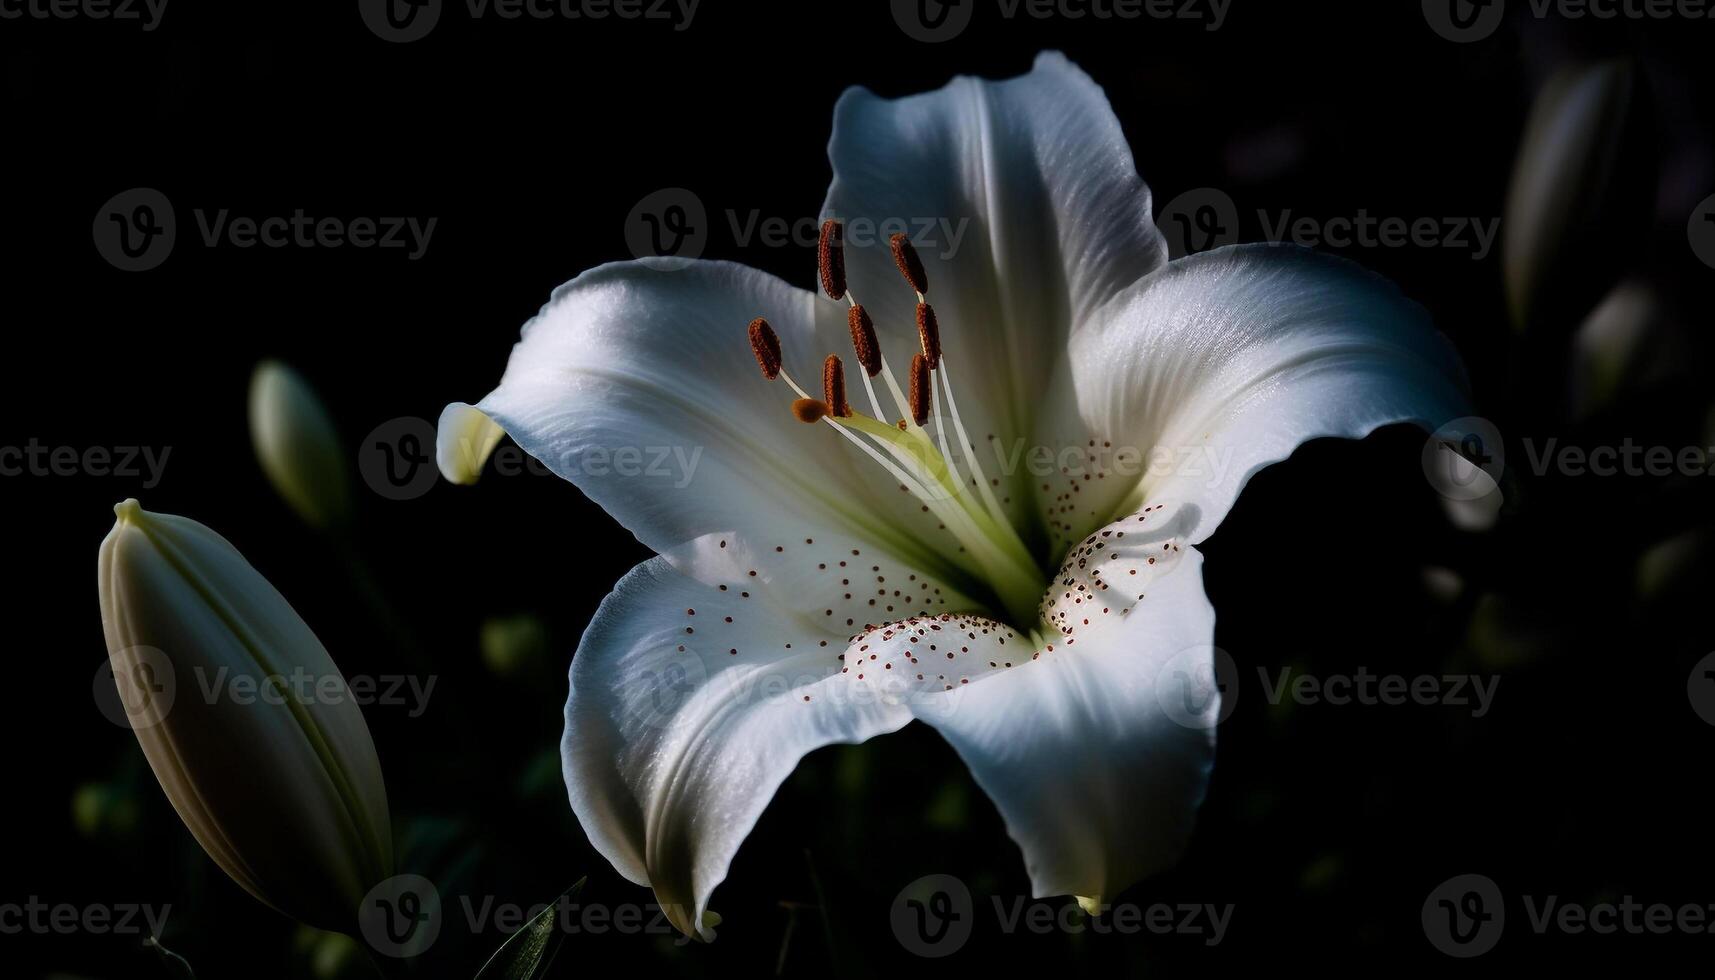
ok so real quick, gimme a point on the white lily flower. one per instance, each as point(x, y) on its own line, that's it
point(817, 587)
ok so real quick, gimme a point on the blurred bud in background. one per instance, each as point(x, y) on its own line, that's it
point(1670, 572)
point(244, 718)
point(1581, 194)
point(103, 810)
point(332, 955)
point(298, 447)
point(1508, 632)
point(514, 645)
point(1628, 343)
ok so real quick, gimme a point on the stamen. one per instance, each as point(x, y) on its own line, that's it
point(831, 259)
point(922, 392)
point(989, 546)
point(929, 333)
point(910, 266)
point(969, 450)
point(864, 343)
point(834, 387)
point(810, 410)
point(766, 346)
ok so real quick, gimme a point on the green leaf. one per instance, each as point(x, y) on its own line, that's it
point(527, 953)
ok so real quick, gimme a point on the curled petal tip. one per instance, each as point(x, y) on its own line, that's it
point(464, 439)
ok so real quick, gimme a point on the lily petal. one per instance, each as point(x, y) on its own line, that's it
point(1203, 373)
point(1025, 207)
point(678, 736)
point(1097, 749)
point(637, 384)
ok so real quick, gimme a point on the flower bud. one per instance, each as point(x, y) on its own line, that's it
point(297, 445)
point(247, 723)
point(1580, 196)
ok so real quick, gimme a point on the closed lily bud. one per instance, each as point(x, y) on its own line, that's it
point(1579, 201)
point(297, 445)
point(246, 721)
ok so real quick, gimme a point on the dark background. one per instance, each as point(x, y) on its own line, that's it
point(530, 141)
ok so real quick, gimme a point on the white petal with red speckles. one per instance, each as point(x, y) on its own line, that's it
point(688, 707)
point(1096, 769)
point(1203, 373)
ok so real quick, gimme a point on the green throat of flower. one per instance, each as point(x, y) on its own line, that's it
point(952, 487)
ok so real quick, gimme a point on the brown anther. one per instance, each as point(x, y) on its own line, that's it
point(809, 409)
point(922, 396)
point(834, 387)
point(910, 266)
point(766, 346)
point(863, 341)
point(929, 332)
point(831, 259)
